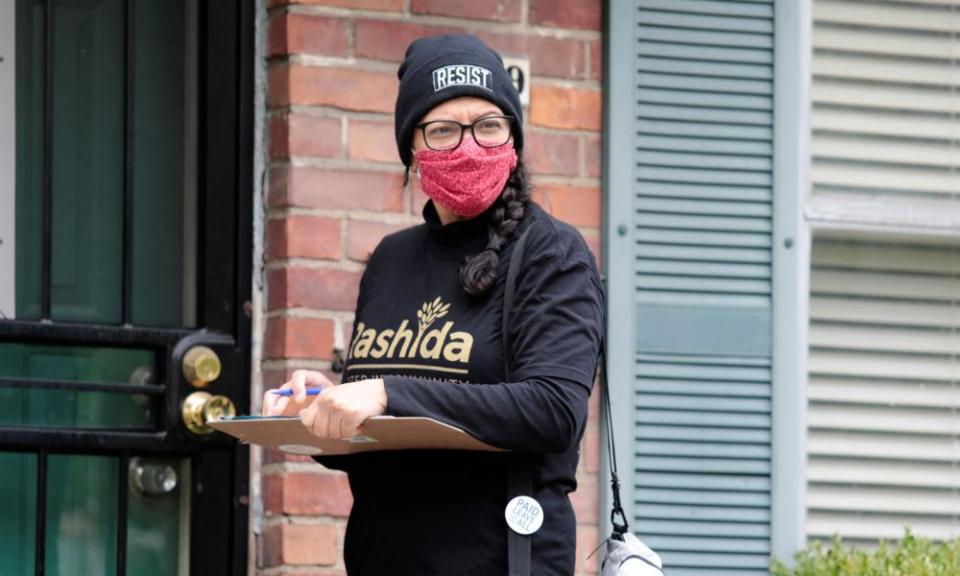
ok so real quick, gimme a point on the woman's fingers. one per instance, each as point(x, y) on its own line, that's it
point(303, 379)
point(274, 404)
point(280, 405)
point(320, 423)
point(341, 410)
point(350, 426)
point(308, 415)
point(298, 383)
point(334, 425)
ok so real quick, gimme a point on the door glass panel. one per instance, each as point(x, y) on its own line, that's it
point(164, 149)
point(90, 99)
point(21, 277)
point(81, 515)
point(34, 406)
point(88, 47)
point(158, 527)
point(18, 509)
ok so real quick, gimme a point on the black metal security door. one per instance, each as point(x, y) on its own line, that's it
point(132, 285)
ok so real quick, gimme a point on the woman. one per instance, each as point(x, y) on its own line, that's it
point(427, 338)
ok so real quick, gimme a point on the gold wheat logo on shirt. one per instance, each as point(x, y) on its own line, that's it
point(431, 341)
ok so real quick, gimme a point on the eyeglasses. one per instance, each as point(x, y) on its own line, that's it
point(488, 132)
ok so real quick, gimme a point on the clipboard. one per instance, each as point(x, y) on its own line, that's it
point(288, 434)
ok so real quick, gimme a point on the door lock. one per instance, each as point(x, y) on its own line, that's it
point(200, 366)
point(152, 477)
point(199, 408)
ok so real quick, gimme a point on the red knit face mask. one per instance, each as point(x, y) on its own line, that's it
point(468, 179)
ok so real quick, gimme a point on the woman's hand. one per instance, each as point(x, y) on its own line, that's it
point(276, 405)
point(341, 410)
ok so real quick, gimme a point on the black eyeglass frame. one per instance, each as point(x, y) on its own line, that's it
point(511, 120)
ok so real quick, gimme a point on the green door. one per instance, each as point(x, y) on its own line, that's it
point(117, 179)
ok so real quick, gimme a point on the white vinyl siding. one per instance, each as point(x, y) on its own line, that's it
point(886, 115)
point(884, 438)
point(884, 351)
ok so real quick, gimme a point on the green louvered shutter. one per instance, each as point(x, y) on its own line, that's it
point(700, 275)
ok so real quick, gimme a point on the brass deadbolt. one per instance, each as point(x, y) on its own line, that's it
point(201, 366)
point(202, 407)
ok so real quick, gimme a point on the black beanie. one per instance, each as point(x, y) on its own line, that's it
point(440, 68)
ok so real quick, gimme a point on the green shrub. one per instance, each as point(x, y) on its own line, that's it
point(910, 556)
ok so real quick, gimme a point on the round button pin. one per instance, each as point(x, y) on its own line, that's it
point(524, 515)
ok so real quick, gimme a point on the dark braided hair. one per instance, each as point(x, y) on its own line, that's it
point(478, 273)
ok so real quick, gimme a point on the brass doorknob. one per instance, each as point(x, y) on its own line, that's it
point(202, 407)
point(200, 366)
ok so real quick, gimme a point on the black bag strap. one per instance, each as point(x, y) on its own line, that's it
point(520, 476)
point(619, 528)
point(622, 527)
point(520, 480)
point(509, 290)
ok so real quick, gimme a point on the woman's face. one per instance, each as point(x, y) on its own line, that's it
point(464, 110)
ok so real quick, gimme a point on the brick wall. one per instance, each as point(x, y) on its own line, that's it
point(335, 188)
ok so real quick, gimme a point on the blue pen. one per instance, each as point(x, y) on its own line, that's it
point(289, 391)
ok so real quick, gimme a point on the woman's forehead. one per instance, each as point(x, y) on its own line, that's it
point(465, 107)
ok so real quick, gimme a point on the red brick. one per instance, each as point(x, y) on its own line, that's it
point(317, 288)
point(569, 108)
point(276, 377)
point(575, 205)
point(508, 45)
point(388, 39)
point(344, 88)
point(299, 135)
point(299, 338)
point(314, 136)
point(591, 448)
point(586, 543)
point(593, 156)
point(586, 500)
point(374, 141)
point(596, 59)
point(279, 137)
point(323, 493)
point(384, 5)
point(546, 153)
point(557, 57)
point(584, 14)
point(500, 10)
point(363, 237)
point(278, 84)
point(301, 544)
point(303, 237)
point(292, 33)
point(313, 187)
point(278, 457)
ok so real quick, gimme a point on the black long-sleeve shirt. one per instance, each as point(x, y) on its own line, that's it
point(440, 355)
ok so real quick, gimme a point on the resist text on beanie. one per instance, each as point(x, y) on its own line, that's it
point(461, 75)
